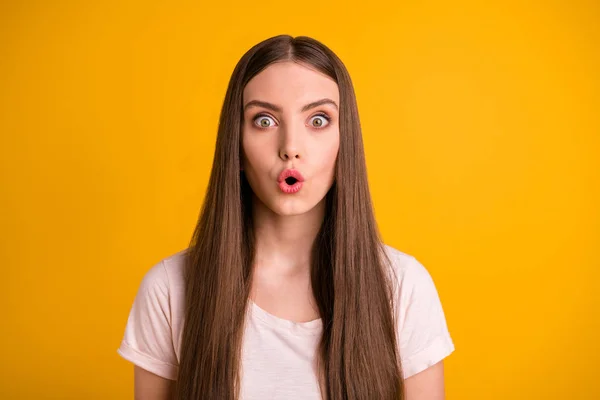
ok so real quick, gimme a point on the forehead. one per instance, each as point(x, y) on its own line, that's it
point(290, 83)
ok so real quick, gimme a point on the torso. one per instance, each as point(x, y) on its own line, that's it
point(278, 355)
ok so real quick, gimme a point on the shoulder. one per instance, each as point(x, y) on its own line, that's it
point(411, 280)
point(422, 331)
point(166, 275)
point(405, 268)
point(152, 337)
point(401, 261)
point(174, 266)
point(163, 288)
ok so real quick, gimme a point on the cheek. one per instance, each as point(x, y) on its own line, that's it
point(257, 162)
point(328, 153)
point(253, 150)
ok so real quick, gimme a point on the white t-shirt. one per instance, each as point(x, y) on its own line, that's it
point(277, 354)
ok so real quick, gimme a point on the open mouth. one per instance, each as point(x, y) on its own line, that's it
point(291, 180)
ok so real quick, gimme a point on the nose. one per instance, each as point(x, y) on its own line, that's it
point(289, 148)
point(288, 155)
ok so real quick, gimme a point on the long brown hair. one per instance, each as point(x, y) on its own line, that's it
point(357, 357)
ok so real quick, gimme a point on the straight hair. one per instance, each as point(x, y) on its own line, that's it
point(357, 356)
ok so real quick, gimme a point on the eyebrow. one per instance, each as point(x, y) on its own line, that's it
point(273, 107)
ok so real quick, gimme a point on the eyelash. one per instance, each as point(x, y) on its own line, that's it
point(322, 114)
point(319, 114)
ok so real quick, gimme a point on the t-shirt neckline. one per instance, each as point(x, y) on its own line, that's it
point(309, 327)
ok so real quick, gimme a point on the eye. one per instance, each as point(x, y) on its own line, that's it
point(319, 121)
point(264, 121)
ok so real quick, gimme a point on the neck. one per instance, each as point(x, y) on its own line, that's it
point(284, 243)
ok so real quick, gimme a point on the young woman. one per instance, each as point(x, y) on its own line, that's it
point(286, 290)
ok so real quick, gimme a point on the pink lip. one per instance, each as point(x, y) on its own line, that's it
point(284, 186)
point(286, 173)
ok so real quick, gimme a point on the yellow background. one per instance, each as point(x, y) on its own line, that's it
point(481, 126)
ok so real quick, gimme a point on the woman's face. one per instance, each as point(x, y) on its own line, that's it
point(290, 122)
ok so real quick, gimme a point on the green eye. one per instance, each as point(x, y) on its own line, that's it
point(263, 121)
point(319, 121)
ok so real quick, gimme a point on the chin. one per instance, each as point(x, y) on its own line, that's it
point(290, 206)
point(288, 210)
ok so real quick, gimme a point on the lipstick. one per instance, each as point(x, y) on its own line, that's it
point(290, 181)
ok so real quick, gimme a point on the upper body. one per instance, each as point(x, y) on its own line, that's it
point(277, 354)
point(290, 125)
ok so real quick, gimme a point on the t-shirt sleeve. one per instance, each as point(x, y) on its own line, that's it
point(424, 339)
point(148, 339)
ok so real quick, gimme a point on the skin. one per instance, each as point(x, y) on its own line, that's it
point(148, 386)
point(274, 139)
point(282, 130)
